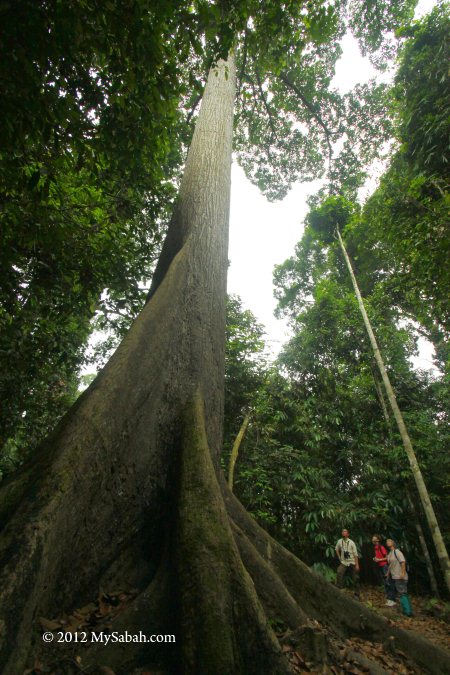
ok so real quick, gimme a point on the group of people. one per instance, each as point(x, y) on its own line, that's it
point(391, 566)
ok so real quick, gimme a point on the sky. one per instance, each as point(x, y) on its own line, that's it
point(264, 234)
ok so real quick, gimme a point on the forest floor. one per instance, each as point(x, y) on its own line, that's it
point(423, 621)
point(309, 649)
point(356, 656)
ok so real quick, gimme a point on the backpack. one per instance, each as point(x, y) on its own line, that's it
point(407, 568)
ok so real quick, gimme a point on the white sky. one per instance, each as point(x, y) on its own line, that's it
point(264, 234)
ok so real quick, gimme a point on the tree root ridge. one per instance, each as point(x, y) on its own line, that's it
point(278, 603)
point(323, 602)
point(223, 625)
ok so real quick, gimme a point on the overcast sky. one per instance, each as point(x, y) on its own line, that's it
point(263, 234)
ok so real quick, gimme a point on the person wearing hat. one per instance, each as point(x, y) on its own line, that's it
point(399, 575)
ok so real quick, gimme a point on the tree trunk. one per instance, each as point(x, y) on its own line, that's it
point(415, 468)
point(235, 450)
point(128, 491)
point(108, 475)
point(415, 515)
point(424, 547)
point(381, 400)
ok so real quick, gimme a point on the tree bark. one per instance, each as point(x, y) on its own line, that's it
point(128, 492)
point(424, 547)
point(415, 468)
point(415, 515)
point(107, 474)
point(235, 449)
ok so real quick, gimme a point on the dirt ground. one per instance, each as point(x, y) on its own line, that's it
point(423, 622)
point(309, 650)
point(356, 656)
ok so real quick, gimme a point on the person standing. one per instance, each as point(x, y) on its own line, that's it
point(348, 561)
point(380, 558)
point(399, 575)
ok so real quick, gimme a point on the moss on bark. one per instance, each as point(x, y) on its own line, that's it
point(223, 627)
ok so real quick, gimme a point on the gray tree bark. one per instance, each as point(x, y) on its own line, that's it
point(424, 547)
point(415, 515)
point(131, 471)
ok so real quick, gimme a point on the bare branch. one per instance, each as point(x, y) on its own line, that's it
point(195, 104)
point(266, 105)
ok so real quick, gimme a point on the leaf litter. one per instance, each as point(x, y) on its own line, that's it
point(353, 656)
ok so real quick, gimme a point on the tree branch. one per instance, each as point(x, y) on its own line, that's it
point(235, 450)
point(266, 105)
point(244, 63)
point(255, 103)
point(194, 107)
point(293, 87)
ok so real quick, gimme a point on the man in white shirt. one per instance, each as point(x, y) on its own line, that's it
point(348, 558)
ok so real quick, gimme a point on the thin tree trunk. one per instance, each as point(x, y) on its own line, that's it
point(235, 450)
point(418, 526)
point(417, 473)
point(379, 391)
point(424, 547)
point(415, 515)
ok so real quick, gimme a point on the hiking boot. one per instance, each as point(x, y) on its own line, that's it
point(406, 605)
point(390, 603)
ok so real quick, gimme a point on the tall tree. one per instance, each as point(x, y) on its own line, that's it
point(76, 187)
point(415, 468)
point(406, 219)
point(331, 359)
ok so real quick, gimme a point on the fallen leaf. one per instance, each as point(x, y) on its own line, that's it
point(49, 625)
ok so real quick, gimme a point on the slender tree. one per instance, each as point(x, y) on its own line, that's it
point(415, 468)
point(424, 547)
point(235, 449)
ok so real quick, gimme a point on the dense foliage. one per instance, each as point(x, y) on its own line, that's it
point(245, 365)
point(89, 166)
point(323, 451)
point(85, 183)
point(407, 217)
